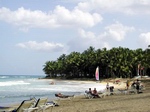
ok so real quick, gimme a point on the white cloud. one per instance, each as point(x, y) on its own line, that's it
point(116, 31)
point(86, 35)
point(123, 6)
point(87, 39)
point(43, 46)
point(144, 39)
point(25, 18)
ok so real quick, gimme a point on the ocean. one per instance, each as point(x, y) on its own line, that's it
point(16, 88)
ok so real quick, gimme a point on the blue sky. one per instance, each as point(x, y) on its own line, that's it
point(36, 31)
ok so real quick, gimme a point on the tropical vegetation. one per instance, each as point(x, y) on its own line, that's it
point(116, 62)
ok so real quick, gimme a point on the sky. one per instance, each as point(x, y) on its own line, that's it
point(35, 31)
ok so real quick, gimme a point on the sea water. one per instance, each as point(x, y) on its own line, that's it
point(16, 88)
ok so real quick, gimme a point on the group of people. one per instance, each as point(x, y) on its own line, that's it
point(110, 88)
point(94, 93)
point(134, 85)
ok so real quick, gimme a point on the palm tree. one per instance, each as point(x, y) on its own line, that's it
point(90, 56)
point(61, 65)
point(50, 68)
point(116, 62)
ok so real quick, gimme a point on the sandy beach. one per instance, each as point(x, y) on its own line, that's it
point(111, 103)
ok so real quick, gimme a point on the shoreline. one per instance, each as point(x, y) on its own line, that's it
point(102, 82)
point(64, 104)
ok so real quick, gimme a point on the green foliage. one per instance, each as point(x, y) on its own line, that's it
point(116, 62)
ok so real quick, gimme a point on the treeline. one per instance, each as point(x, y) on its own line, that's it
point(116, 62)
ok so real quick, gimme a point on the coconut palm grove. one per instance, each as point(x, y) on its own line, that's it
point(113, 63)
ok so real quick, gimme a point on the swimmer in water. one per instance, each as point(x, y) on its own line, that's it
point(52, 83)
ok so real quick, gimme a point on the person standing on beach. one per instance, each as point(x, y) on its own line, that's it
point(133, 85)
point(107, 86)
point(137, 85)
point(128, 84)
